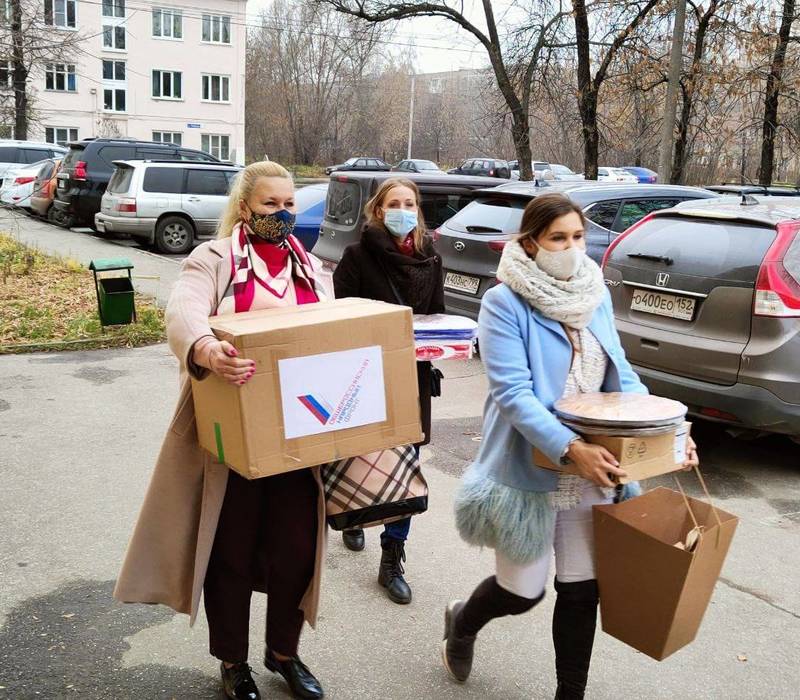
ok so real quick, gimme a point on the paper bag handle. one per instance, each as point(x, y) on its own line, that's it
point(708, 496)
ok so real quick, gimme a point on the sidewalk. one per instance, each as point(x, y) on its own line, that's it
point(81, 432)
point(153, 274)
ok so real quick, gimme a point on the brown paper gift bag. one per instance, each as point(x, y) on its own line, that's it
point(654, 593)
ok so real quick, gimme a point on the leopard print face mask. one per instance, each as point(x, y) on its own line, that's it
point(273, 228)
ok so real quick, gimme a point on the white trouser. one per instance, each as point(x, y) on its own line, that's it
point(573, 544)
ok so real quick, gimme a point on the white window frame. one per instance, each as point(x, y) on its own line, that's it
point(56, 69)
point(110, 27)
point(117, 8)
point(211, 24)
point(159, 137)
point(208, 145)
point(71, 133)
point(114, 84)
point(173, 14)
point(54, 17)
point(207, 87)
point(8, 67)
point(161, 75)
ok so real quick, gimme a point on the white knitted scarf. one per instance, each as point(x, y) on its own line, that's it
point(571, 302)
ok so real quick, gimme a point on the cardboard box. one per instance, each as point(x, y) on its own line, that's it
point(333, 380)
point(641, 457)
point(653, 595)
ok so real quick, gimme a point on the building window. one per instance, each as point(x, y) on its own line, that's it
point(6, 75)
point(168, 137)
point(61, 135)
point(114, 86)
point(167, 23)
point(218, 145)
point(167, 84)
point(60, 77)
point(60, 13)
point(113, 8)
point(217, 29)
point(216, 88)
point(114, 37)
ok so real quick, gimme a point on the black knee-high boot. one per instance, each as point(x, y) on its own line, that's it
point(574, 621)
point(488, 601)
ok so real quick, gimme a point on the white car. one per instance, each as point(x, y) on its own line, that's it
point(618, 175)
point(562, 173)
point(17, 184)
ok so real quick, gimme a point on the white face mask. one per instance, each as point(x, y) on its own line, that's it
point(561, 264)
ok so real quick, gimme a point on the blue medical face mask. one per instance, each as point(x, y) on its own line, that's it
point(400, 222)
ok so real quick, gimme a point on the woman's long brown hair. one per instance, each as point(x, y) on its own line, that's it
point(377, 200)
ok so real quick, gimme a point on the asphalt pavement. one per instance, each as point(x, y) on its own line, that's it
point(81, 431)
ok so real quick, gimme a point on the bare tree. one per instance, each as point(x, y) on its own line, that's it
point(514, 61)
point(772, 93)
point(29, 40)
point(618, 25)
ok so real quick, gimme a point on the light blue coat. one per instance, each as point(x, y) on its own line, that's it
point(527, 359)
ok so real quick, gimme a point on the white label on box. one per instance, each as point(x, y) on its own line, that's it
point(332, 391)
point(681, 435)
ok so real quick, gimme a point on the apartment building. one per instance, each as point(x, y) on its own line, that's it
point(143, 69)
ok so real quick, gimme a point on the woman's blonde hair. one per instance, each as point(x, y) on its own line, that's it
point(371, 207)
point(242, 188)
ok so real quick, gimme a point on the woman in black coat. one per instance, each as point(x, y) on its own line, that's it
point(395, 261)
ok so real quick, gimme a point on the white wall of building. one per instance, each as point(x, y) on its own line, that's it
point(191, 116)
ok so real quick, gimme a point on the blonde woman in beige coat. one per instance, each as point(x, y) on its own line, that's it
point(202, 527)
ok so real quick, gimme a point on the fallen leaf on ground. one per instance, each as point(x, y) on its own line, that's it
point(742, 657)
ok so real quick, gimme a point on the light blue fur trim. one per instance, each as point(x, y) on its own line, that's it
point(631, 490)
point(517, 523)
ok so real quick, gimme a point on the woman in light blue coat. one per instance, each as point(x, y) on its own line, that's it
point(546, 332)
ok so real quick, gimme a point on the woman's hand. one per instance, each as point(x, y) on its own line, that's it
point(222, 359)
point(594, 463)
point(692, 459)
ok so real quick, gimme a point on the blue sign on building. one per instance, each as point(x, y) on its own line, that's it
point(194, 126)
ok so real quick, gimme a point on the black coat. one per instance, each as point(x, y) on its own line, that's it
point(362, 272)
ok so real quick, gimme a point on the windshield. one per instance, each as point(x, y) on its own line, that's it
point(350, 161)
point(561, 169)
point(489, 215)
point(426, 165)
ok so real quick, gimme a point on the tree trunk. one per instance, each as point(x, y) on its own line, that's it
point(20, 80)
point(671, 99)
point(772, 95)
point(587, 95)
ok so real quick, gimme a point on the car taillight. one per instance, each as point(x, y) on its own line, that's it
point(777, 290)
point(719, 415)
point(497, 246)
point(23, 180)
point(80, 170)
point(127, 206)
point(619, 238)
point(491, 173)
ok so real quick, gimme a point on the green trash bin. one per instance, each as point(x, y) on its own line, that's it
point(115, 303)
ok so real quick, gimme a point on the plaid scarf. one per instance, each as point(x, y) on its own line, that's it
point(260, 269)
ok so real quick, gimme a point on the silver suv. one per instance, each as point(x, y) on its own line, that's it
point(168, 204)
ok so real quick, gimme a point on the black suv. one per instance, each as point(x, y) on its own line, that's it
point(483, 167)
point(442, 197)
point(88, 167)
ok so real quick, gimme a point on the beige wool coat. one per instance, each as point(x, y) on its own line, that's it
point(169, 550)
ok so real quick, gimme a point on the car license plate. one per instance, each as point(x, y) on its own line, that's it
point(662, 304)
point(462, 283)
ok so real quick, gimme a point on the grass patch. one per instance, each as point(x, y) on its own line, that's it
point(49, 303)
point(307, 170)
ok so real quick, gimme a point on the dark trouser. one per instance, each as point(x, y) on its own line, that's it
point(268, 523)
point(574, 621)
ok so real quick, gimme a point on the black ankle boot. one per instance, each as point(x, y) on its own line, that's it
point(353, 539)
point(238, 682)
point(574, 622)
point(300, 680)
point(390, 574)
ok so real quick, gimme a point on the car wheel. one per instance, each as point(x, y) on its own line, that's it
point(174, 234)
point(54, 216)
